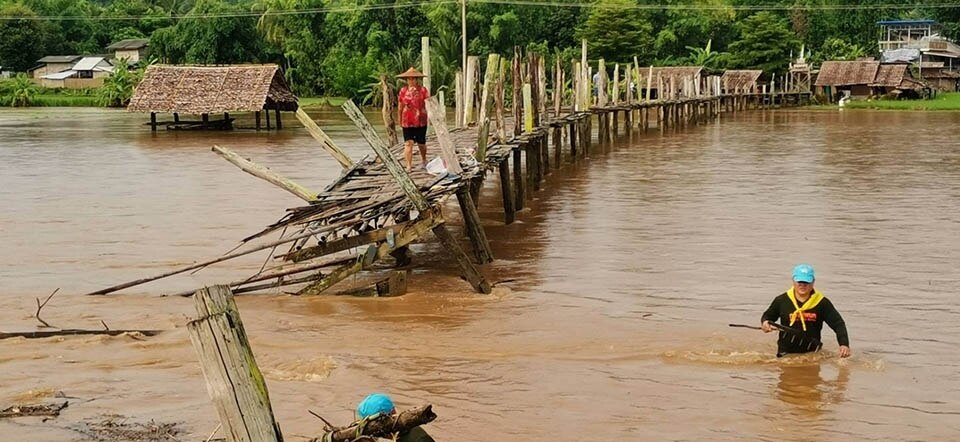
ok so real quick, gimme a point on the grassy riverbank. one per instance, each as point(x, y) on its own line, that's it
point(945, 101)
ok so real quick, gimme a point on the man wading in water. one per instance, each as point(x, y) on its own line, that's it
point(803, 304)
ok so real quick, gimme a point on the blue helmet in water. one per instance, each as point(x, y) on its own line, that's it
point(374, 404)
point(803, 273)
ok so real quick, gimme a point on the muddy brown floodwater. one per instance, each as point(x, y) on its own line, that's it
point(610, 319)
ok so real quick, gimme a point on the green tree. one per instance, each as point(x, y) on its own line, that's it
point(22, 91)
point(22, 40)
point(118, 88)
point(765, 43)
point(617, 31)
point(838, 49)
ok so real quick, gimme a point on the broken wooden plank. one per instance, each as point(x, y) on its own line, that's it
point(447, 149)
point(234, 380)
point(325, 141)
point(266, 174)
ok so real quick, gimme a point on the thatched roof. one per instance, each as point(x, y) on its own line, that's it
point(891, 75)
point(847, 73)
point(667, 72)
point(212, 89)
point(740, 79)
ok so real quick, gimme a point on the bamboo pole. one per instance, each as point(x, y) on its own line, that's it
point(557, 87)
point(266, 174)
point(584, 77)
point(601, 85)
point(327, 144)
point(650, 82)
point(616, 84)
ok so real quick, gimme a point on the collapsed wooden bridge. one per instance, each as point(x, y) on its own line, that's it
point(375, 209)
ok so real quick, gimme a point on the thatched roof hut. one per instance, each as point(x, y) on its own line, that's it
point(677, 72)
point(895, 76)
point(740, 79)
point(847, 73)
point(212, 89)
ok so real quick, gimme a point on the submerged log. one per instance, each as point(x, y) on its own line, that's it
point(73, 332)
point(380, 426)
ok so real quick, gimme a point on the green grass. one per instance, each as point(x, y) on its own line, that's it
point(943, 101)
point(59, 98)
point(309, 102)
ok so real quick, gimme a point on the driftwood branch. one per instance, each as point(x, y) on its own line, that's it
point(73, 332)
point(52, 410)
point(40, 307)
point(381, 426)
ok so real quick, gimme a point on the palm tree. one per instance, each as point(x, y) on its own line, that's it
point(23, 91)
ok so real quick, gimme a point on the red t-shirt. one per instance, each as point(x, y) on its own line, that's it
point(415, 112)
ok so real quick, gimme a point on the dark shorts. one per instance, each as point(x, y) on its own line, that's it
point(417, 134)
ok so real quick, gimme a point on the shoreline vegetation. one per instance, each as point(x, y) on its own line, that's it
point(944, 101)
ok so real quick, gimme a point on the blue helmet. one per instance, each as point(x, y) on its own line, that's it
point(376, 403)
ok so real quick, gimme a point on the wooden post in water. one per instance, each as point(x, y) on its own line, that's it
point(527, 109)
point(387, 111)
point(489, 80)
point(153, 121)
point(266, 114)
point(458, 92)
point(425, 62)
point(470, 78)
point(509, 213)
point(517, 77)
point(255, 114)
point(557, 88)
point(518, 181)
point(279, 121)
point(473, 226)
point(409, 188)
point(234, 380)
point(501, 123)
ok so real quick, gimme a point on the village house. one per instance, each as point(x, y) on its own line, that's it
point(919, 42)
point(88, 72)
point(132, 50)
point(865, 78)
point(52, 64)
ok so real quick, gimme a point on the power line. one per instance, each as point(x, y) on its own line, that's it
point(694, 7)
point(545, 3)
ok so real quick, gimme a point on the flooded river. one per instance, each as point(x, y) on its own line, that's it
point(614, 290)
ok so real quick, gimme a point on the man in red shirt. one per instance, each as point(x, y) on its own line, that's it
point(412, 113)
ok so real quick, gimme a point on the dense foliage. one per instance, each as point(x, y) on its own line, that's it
point(340, 47)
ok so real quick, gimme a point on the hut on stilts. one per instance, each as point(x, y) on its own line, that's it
point(213, 90)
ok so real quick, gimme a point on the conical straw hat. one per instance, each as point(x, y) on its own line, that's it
point(411, 73)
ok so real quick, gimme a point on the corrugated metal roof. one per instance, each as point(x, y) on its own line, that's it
point(130, 43)
point(88, 63)
point(60, 75)
point(59, 59)
point(906, 22)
